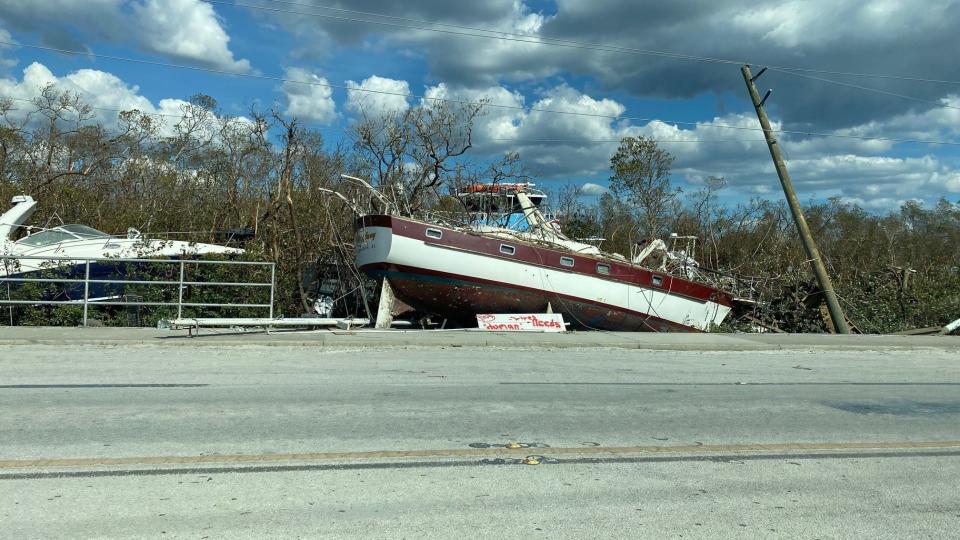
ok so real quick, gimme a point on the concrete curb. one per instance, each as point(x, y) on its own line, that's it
point(112, 337)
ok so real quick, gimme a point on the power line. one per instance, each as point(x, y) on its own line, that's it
point(492, 139)
point(865, 75)
point(498, 34)
point(540, 40)
point(104, 108)
point(545, 40)
point(617, 141)
point(472, 103)
point(325, 85)
point(865, 88)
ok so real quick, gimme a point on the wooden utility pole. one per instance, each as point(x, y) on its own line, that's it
point(833, 305)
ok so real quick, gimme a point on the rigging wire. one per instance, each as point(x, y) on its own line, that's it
point(476, 103)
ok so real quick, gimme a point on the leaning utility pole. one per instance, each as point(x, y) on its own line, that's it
point(836, 313)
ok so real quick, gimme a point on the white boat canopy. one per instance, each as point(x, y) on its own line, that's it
point(63, 233)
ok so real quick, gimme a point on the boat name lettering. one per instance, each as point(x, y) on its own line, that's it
point(364, 239)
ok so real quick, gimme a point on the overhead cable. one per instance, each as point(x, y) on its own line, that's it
point(491, 139)
point(469, 102)
point(865, 88)
point(491, 33)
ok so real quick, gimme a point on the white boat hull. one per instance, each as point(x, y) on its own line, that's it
point(458, 281)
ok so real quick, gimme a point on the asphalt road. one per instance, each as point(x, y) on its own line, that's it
point(132, 440)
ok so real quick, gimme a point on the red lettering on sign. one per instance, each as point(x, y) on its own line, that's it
point(490, 321)
point(501, 326)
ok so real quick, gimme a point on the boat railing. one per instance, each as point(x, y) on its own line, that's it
point(181, 283)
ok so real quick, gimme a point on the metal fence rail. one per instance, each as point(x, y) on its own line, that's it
point(86, 302)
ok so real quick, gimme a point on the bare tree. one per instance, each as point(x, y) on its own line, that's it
point(73, 147)
point(708, 217)
point(413, 152)
point(641, 177)
point(12, 133)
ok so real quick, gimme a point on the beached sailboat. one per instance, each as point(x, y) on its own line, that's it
point(459, 271)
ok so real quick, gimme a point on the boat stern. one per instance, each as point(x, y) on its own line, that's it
point(373, 239)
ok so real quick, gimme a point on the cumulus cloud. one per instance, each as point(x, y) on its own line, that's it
point(840, 35)
point(564, 145)
point(552, 145)
point(376, 96)
point(836, 35)
point(310, 102)
point(63, 23)
point(495, 123)
point(797, 23)
point(857, 170)
point(579, 146)
point(97, 88)
point(594, 122)
point(182, 29)
point(477, 62)
point(589, 188)
point(104, 91)
point(187, 29)
point(310, 28)
point(6, 63)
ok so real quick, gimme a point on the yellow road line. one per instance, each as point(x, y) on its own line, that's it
point(476, 453)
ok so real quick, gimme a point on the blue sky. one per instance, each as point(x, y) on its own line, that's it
point(304, 40)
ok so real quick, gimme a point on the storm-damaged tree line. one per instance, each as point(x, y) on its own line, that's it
point(263, 182)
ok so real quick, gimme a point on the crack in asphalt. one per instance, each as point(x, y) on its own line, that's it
point(545, 460)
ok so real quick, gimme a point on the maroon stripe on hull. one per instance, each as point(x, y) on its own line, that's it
point(541, 256)
point(375, 220)
point(460, 298)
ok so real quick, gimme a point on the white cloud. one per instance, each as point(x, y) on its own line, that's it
point(590, 188)
point(104, 91)
point(96, 88)
point(880, 204)
point(310, 102)
point(853, 169)
point(562, 146)
point(795, 23)
point(377, 96)
point(552, 145)
point(876, 174)
point(183, 29)
point(875, 177)
point(187, 29)
point(835, 35)
point(59, 21)
point(488, 61)
point(589, 121)
point(6, 63)
point(935, 123)
point(495, 123)
point(451, 57)
point(951, 181)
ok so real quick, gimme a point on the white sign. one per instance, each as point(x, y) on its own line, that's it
point(521, 322)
